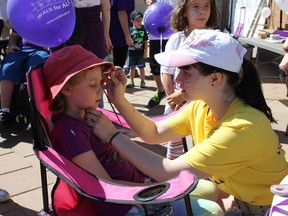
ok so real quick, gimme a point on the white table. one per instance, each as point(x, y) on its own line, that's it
point(278, 199)
point(265, 44)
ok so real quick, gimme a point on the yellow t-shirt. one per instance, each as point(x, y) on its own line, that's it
point(241, 151)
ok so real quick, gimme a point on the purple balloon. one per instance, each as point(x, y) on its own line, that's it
point(46, 23)
point(157, 19)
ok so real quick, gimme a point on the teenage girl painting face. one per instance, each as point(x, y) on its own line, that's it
point(84, 94)
point(198, 13)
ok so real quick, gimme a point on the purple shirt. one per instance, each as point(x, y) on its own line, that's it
point(72, 137)
point(116, 33)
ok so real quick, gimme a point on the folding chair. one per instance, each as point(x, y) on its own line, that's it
point(82, 183)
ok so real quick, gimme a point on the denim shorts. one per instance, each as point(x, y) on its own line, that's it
point(15, 65)
point(136, 61)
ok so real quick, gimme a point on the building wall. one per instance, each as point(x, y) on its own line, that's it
point(274, 21)
point(140, 5)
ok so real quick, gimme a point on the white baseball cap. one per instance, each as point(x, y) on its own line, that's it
point(210, 47)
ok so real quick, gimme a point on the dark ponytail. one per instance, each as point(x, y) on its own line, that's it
point(250, 90)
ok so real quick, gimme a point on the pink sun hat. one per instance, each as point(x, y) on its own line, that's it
point(65, 63)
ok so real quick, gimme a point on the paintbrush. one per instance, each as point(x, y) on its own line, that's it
point(124, 68)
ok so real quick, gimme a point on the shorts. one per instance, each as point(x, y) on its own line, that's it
point(154, 48)
point(136, 61)
point(120, 56)
point(15, 65)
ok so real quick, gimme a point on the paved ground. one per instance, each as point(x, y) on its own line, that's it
point(20, 172)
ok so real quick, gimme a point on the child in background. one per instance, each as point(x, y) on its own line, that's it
point(187, 16)
point(137, 53)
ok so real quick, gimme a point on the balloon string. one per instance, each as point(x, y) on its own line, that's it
point(161, 50)
point(112, 106)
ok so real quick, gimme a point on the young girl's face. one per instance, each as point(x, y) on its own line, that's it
point(87, 93)
point(198, 13)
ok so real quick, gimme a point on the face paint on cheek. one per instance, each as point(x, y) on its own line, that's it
point(187, 84)
point(194, 83)
point(192, 14)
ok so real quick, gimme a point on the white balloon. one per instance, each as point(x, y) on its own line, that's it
point(282, 4)
point(266, 12)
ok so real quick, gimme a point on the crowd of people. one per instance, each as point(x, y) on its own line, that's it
point(225, 110)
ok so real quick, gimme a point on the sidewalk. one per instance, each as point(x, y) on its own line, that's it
point(20, 172)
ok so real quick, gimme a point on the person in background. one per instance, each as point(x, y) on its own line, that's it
point(21, 55)
point(154, 48)
point(137, 53)
point(227, 116)
point(186, 16)
point(92, 26)
point(119, 29)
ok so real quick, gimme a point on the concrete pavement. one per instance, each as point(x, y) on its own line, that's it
point(20, 172)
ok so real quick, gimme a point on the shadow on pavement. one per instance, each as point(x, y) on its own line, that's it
point(15, 134)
